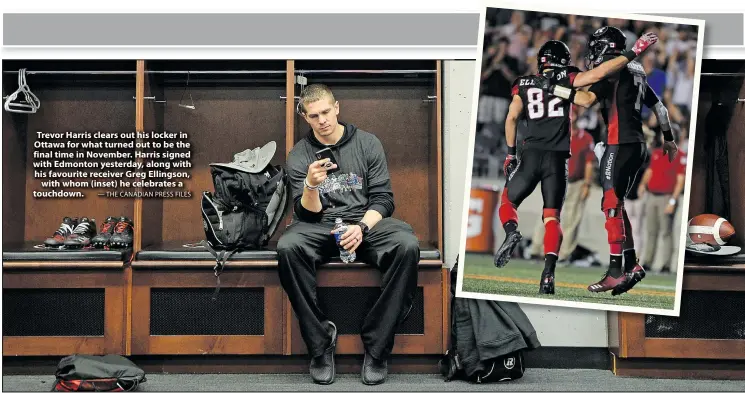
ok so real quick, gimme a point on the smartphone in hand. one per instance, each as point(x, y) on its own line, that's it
point(327, 153)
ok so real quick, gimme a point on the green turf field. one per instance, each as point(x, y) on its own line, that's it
point(520, 278)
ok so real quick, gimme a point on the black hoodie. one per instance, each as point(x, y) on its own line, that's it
point(361, 184)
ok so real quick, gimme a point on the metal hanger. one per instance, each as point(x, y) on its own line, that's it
point(30, 104)
point(30, 97)
point(303, 82)
point(27, 92)
point(180, 101)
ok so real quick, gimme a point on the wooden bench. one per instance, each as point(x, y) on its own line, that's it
point(263, 321)
point(62, 302)
point(155, 300)
point(708, 339)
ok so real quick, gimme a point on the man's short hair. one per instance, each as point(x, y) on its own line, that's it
point(314, 93)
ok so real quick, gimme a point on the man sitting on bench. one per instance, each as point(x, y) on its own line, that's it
point(357, 189)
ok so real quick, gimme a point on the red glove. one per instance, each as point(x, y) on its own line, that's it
point(644, 42)
point(510, 163)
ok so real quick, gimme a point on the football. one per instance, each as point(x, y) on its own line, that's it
point(710, 229)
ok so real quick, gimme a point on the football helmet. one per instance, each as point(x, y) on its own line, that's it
point(553, 54)
point(604, 44)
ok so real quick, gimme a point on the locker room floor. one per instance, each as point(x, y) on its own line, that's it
point(534, 380)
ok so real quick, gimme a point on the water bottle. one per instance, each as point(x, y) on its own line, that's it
point(345, 255)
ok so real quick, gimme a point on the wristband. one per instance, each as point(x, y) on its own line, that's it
point(512, 150)
point(571, 95)
point(560, 91)
point(629, 54)
point(672, 201)
point(308, 186)
point(564, 92)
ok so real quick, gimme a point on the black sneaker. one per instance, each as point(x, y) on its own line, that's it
point(123, 234)
point(60, 235)
point(104, 235)
point(82, 234)
point(374, 371)
point(630, 280)
point(547, 283)
point(504, 253)
point(323, 367)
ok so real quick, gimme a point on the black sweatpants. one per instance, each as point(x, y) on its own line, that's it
point(391, 246)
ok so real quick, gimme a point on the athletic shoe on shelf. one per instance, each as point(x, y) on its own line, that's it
point(64, 231)
point(104, 235)
point(82, 234)
point(123, 234)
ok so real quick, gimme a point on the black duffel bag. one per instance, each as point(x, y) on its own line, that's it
point(108, 373)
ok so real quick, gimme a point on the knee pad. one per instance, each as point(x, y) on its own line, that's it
point(553, 237)
point(614, 226)
point(610, 201)
point(507, 209)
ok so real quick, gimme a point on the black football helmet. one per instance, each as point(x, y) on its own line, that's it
point(553, 54)
point(604, 44)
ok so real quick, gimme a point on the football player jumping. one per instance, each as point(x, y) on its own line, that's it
point(621, 97)
point(545, 100)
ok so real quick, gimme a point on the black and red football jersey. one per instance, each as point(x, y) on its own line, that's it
point(621, 98)
point(547, 117)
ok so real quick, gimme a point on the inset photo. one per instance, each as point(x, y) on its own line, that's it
point(580, 169)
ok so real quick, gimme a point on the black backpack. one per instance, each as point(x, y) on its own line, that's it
point(86, 373)
point(462, 361)
point(244, 211)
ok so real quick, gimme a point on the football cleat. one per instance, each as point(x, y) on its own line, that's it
point(104, 235)
point(82, 234)
point(123, 234)
point(606, 283)
point(630, 279)
point(504, 253)
point(63, 233)
point(547, 283)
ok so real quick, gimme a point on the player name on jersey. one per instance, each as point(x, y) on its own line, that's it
point(527, 82)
